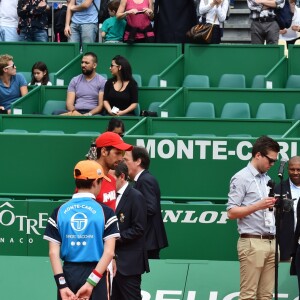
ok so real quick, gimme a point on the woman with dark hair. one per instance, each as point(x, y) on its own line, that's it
point(40, 74)
point(120, 91)
point(116, 125)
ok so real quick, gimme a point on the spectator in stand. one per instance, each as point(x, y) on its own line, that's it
point(33, 22)
point(264, 27)
point(139, 14)
point(116, 125)
point(82, 21)
point(290, 35)
point(9, 21)
point(85, 91)
point(113, 28)
point(121, 91)
point(59, 22)
point(12, 85)
point(39, 74)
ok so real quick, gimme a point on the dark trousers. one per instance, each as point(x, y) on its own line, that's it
point(76, 275)
point(153, 254)
point(126, 287)
point(297, 265)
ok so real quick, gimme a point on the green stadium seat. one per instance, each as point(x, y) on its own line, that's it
point(138, 79)
point(153, 81)
point(91, 133)
point(15, 130)
point(293, 82)
point(239, 135)
point(236, 110)
point(137, 110)
point(165, 134)
point(153, 106)
point(104, 75)
point(275, 111)
point(196, 81)
point(232, 81)
point(258, 82)
point(52, 105)
point(51, 78)
point(199, 202)
point(52, 132)
point(201, 110)
point(208, 135)
point(27, 76)
point(296, 112)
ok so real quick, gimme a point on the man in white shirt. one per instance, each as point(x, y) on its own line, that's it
point(9, 21)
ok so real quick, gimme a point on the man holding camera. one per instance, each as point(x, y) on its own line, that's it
point(249, 202)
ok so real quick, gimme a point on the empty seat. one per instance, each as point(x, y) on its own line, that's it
point(15, 131)
point(258, 82)
point(153, 81)
point(53, 105)
point(293, 82)
point(91, 133)
point(153, 106)
point(138, 79)
point(104, 75)
point(137, 110)
point(165, 134)
point(52, 132)
point(27, 75)
point(201, 110)
point(296, 112)
point(271, 111)
point(235, 110)
point(196, 81)
point(232, 81)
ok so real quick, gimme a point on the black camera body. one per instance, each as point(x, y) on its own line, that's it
point(148, 113)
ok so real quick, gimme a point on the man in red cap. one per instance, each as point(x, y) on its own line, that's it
point(110, 151)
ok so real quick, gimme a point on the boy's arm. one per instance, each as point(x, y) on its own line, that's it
point(54, 251)
point(109, 250)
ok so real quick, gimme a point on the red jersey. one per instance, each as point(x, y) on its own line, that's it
point(107, 194)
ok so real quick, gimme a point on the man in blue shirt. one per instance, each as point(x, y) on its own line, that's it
point(12, 85)
point(82, 233)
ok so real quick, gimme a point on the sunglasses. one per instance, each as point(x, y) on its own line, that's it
point(12, 66)
point(271, 160)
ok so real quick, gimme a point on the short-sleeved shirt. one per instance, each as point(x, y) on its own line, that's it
point(107, 194)
point(114, 29)
point(123, 99)
point(80, 226)
point(86, 16)
point(9, 95)
point(86, 92)
point(247, 187)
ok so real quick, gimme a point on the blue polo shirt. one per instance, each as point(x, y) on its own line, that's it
point(9, 95)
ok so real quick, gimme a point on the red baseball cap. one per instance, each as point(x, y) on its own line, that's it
point(109, 138)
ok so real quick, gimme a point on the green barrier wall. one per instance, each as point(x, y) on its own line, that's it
point(145, 59)
point(293, 61)
point(215, 60)
point(55, 55)
point(22, 224)
point(196, 159)
point(34, 102)
point(167, 280)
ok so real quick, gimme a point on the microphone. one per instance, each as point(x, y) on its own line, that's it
point(271, 185)
point(281, 167)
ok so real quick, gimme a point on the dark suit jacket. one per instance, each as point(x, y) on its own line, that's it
point(286, 233)
point(156, 237)
point(131, 248)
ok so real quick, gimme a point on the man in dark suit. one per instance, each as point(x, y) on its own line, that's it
point(131, 253)
point(138, 162)
point(290, 188)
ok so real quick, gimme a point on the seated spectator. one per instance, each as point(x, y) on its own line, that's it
point(290, 35)
point(33, 21)
point(12, 85)
point(121, 91)
point(85, 91)
point(116, 125)
point(39, 74)
point(139, 14)
point(112, 28)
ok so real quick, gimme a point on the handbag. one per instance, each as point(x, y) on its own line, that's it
point(201, 32)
